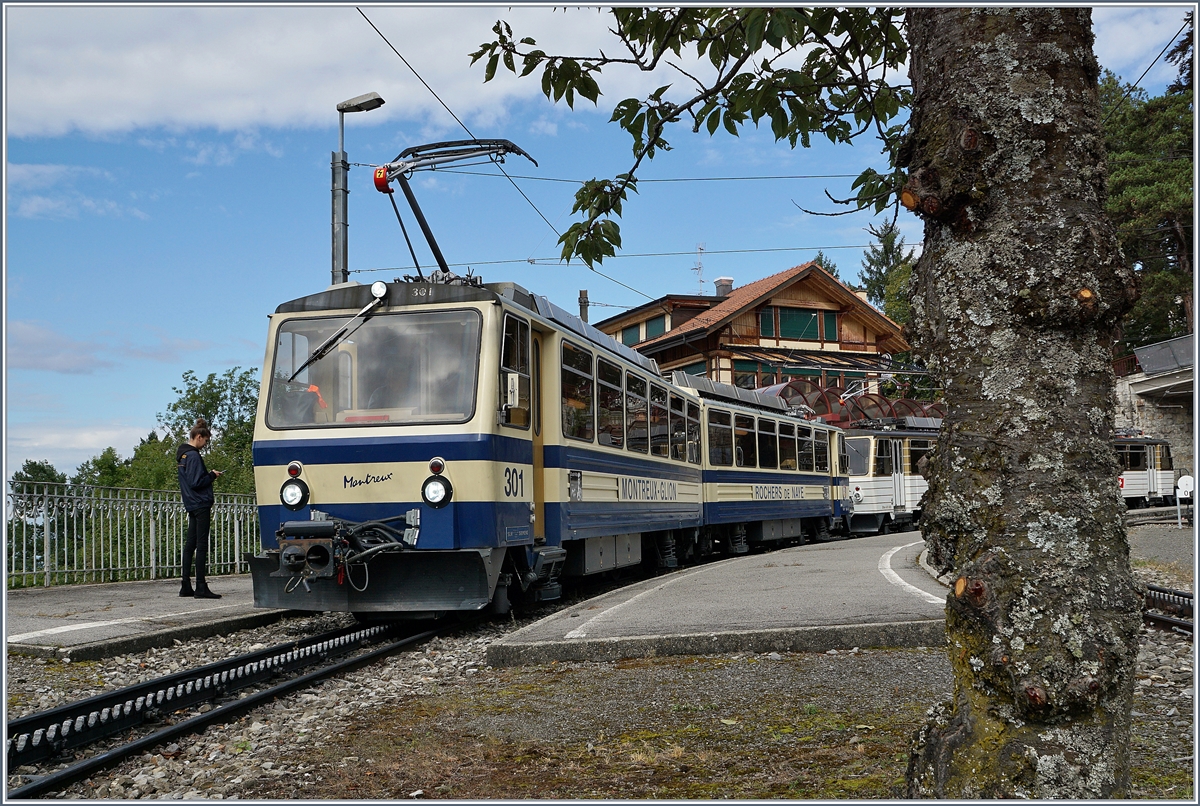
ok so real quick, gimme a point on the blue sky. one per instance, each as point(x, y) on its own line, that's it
point(167, 185)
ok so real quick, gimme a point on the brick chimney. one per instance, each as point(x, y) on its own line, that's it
point(723, 286)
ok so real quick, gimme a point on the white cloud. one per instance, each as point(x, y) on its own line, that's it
point(49, 191)
point(1129, 38)
point(65, 445)
point(40, 346)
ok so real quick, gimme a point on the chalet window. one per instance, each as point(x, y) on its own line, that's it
point(799, 324)
point(636, 423)
point(700, 369)
point(787, 446)
point(768, 449)
point(660, 435)
point(745, 452)
point(745, 374)
point(610, 405)
point(830, 326)
point(631, 335)
point(656, 326)
point(720, 439)
point(578, 409)
point(766, 322)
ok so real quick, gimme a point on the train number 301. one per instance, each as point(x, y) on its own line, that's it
point(514, 483)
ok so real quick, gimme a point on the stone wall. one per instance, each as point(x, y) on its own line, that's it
point(1172, 420)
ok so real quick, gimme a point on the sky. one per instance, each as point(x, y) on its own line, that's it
point(167, 185)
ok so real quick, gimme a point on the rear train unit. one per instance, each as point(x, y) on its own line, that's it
point(1147, 471)
point(427, 447)
point(885, 468)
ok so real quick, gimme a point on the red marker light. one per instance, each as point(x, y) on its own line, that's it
point(294, 469)
point(381, 181)
point(437, 465)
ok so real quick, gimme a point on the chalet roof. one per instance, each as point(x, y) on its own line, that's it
point(748, 296)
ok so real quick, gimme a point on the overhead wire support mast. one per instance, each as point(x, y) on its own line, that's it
point(428, 157)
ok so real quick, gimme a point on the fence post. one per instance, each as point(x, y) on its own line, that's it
point(46, 537)
point(237, 540)
point(153, 540)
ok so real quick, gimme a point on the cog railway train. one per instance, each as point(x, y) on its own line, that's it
point(433, 446)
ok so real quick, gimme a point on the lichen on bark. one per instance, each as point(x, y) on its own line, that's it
point(1015, 300)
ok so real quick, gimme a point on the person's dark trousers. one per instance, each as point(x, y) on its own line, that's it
point(197, 543)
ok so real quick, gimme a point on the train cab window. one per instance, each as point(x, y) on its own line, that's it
point(345, 381)
point(678, 429)
point(804, 448)
point(883, 457)
point(610, 405)
point(843, 456)
point(693, 433)
point(1131, 457)
point(858, 450)
point(578, 412)
point(918, 449)
point(660, 435)
point(745, 441)
point(1164, 456)
point(768, 448)
point(821, 451)
point(637, 425)
point(514, 373)
point(787, 446)
point(720, 439)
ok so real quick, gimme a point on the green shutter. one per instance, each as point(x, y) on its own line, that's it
point(700, 368)
point(831, 333)
point(798, 323)
point(629, 336)
point(766, 322)
point(656, 326)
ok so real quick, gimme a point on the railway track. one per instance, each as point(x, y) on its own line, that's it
point(1168, 609)
point(49, 735)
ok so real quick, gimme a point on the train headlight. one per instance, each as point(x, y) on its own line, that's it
point(436, 491)
point(293, 494)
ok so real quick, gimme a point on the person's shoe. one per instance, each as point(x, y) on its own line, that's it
point(186, 589)
point(202, 592)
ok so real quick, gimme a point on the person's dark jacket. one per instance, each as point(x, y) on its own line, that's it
point(195, 480)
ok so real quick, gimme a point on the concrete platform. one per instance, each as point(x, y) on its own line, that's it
point(85, 622)
point(865, 592)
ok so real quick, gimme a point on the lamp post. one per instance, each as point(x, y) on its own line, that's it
point(341, 190)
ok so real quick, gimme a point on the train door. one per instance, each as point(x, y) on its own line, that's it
point(539, 440)
point(898, 500)
point(1151, 471)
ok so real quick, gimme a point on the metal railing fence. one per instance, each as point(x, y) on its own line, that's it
point(62, 534)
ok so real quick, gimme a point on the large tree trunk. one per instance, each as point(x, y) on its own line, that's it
point(1015, 300)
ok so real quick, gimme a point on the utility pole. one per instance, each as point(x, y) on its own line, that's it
point(341, 189)
point(583, 304)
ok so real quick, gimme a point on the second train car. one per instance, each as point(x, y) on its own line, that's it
point(426, 446)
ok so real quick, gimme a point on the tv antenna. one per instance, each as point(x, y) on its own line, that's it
point(699, 267)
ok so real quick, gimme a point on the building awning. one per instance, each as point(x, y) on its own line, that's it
point(783, 358)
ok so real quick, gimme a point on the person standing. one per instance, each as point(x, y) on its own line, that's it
point(196, 485)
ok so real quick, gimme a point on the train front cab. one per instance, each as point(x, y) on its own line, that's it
point(886, 484)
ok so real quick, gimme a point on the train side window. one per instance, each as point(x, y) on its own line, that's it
point(918, 449)
point(514, 373)
point(660, 436)
point(1165, 457)
point(578, 410)
point(768, 448)
point(637, 425)
point(745, 443)
point(610, 405)
point(843, 456)
point(859, 455)
point(693, 433)
point(720, 439)
point(821, 451)
point(883, 457)
point(1137, 458)
point(678, 429)
point(787, 446)
point(804, 448)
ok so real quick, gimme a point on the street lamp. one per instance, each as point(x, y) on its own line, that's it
point(341, 190)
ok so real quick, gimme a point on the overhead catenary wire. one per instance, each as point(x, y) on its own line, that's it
point(1135, 84)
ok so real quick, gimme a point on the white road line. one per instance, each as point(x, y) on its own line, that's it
point(885, 568)
point(581, 630)
point(87, 625)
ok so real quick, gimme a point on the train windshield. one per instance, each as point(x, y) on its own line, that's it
point(407, 368)
point(859, 450)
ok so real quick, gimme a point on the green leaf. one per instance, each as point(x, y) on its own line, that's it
point(490, 72)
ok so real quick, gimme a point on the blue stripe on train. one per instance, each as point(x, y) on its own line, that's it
point(349, 450)
point(471, 524)
point(747, 511)
point(576, 520)
point(582, 458)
